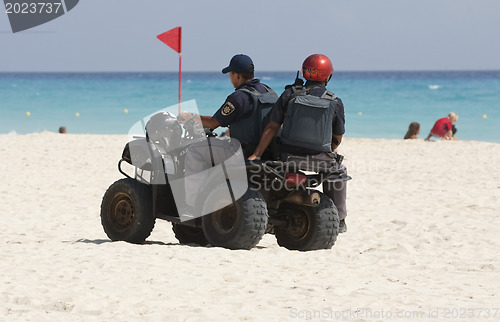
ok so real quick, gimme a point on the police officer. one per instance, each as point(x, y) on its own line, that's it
point(242, 111)
point(313, 122)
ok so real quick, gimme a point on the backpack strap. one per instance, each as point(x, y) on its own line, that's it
point(269, 89)
point(254, 94)
point(254, 91)
point(269, 97)
point(299, 90)
point(249, 89)
point(329, 95)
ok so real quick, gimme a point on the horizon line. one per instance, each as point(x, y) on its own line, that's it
point(262, 71)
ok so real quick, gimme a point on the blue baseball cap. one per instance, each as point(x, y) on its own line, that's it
point(239, 64)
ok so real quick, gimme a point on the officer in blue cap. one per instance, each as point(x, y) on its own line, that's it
point(243, 110)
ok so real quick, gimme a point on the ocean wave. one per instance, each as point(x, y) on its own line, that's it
point(433, 87)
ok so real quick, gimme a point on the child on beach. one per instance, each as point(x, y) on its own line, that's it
point(443, 128)
point(413, 131)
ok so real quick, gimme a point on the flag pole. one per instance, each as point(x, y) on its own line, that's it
point(180, 79)
point(180, 72)
point(173, 38)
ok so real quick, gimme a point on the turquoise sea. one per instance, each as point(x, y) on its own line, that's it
point(377, 104)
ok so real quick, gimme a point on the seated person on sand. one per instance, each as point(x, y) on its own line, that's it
point(413, 131)
point(443, 128)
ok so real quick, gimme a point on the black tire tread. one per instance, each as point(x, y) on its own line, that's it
point(255, 222)
point(189, 235)
point(324, 232)
point(252, 227)
point(141, 194)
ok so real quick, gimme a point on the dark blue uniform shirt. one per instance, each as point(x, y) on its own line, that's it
point(238, 105)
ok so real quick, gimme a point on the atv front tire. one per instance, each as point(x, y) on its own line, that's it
point(309, 228)
point(237, 226)
point(126, 211)
point(189, 235)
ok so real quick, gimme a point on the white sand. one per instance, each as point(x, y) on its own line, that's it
point(423, 233)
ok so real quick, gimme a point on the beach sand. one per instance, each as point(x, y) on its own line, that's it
point(423, 239)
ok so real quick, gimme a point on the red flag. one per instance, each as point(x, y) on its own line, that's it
point(172, 38)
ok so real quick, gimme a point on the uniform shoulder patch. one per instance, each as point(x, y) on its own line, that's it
point(227, 109)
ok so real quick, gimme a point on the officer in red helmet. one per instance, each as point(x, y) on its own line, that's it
point(312, 121)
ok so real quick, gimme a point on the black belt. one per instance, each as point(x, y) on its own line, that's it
point(299, 150)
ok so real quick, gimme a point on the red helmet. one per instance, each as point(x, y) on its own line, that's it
point(317, 67)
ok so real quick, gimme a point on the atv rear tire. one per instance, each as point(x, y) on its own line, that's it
point(237, 226)
point(189, 235)
point(126, 211)
point(309, 228)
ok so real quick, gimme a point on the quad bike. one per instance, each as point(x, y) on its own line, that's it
point(225, 208)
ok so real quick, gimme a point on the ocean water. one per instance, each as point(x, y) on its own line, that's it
point(377, 104)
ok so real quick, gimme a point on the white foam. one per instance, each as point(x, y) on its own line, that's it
point(433, 87)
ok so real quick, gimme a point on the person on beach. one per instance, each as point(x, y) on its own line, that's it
point(312, 121)
point(443, 128)
point(413, 131)
point(454, 130)
point(241, 111)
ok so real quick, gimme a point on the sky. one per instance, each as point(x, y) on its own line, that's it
point(358, 35)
